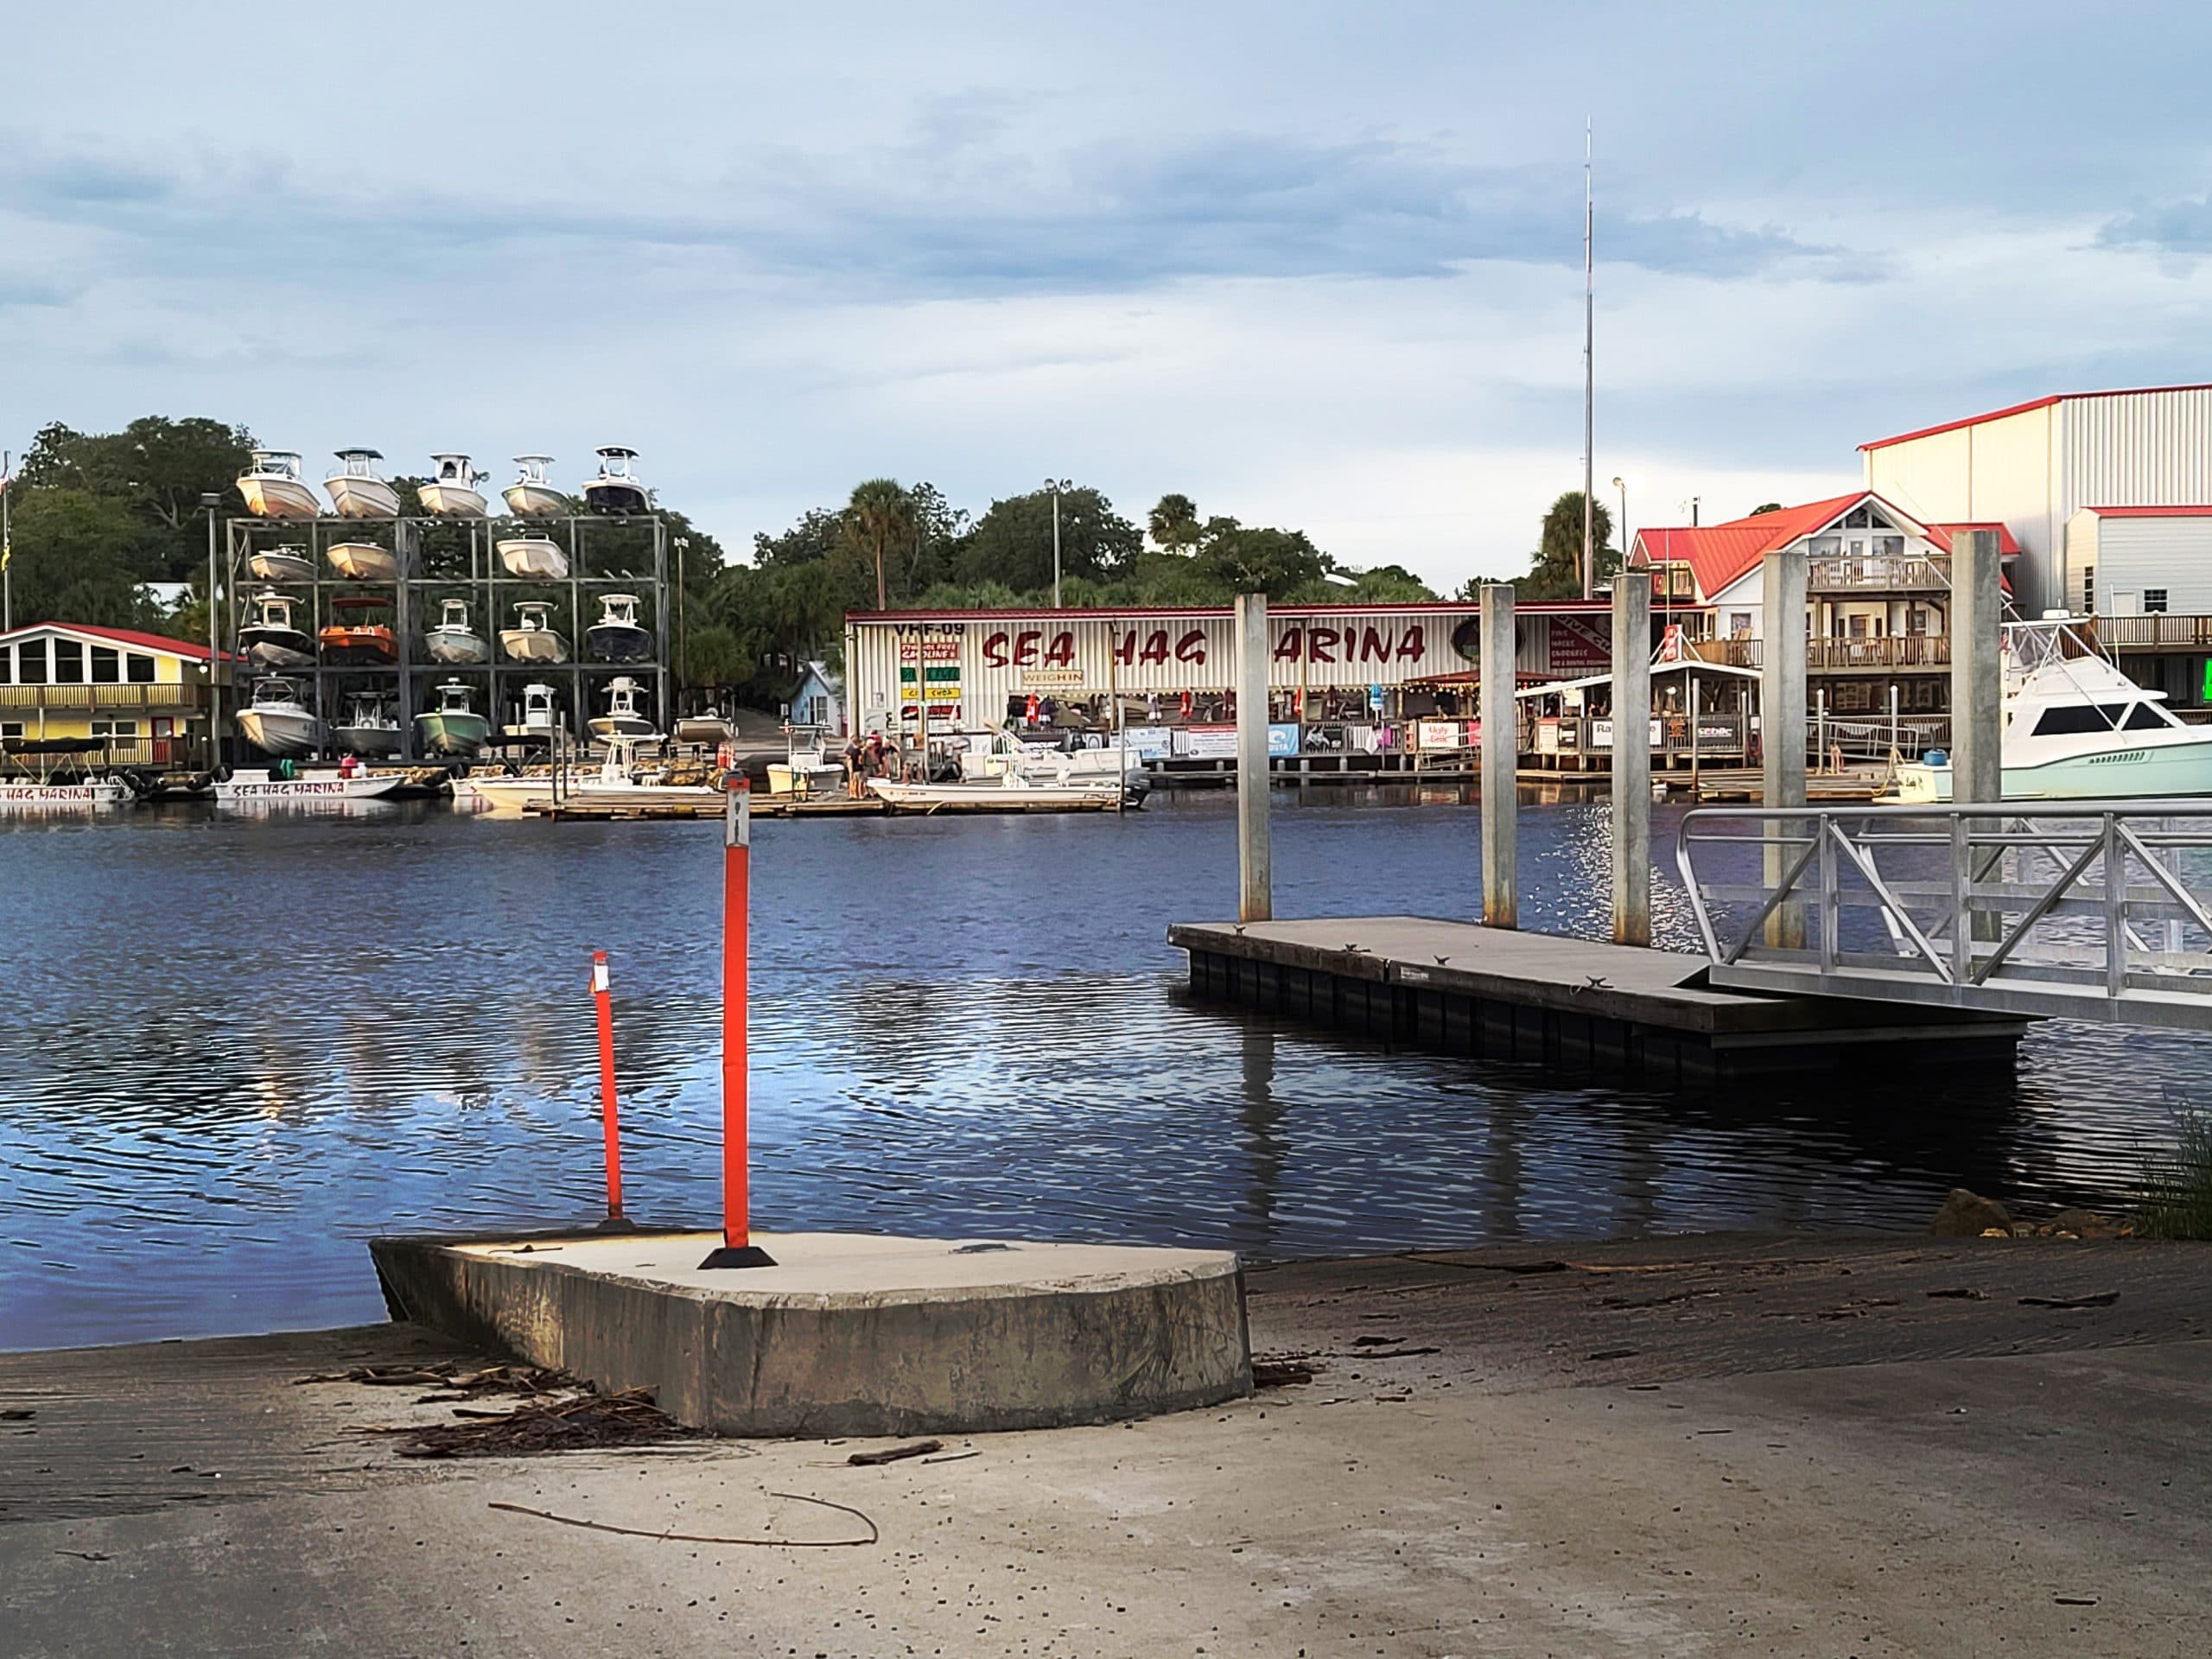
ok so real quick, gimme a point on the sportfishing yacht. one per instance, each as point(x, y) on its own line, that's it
point(452, 640)
point(532, 638)
point(272, 488)
point(616, 490)
point(450, 492)
point(2076, 729)
point(357, 490)
point(532, 495)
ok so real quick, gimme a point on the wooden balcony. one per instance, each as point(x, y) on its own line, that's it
point(165, 697)
point(2158, 632)
point(1878, 576)
point(1892, 651)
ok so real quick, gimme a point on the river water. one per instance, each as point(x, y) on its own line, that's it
point(236, 1048)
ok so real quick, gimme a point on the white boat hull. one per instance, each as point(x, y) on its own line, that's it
point(785, 778)
point(535, 501)
point(362, 497)
point(320, 787)
point(38, 797)
point(363, 562)
point(270, 653)
point(534, 559)
point(367, 739)
point(533, 645)
point(451, 501)
point(704, 729)
point(281, 567)
point(277, 731)
point(454, 646)
point(605, 727)
point(2152, 772)
point(519, 794)
point(997, 797)
point(279, 498)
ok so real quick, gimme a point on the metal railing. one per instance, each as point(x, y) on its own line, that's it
point(1834, 656)
point(151, 695)
point(2095, 911)
point(1877, 574)
point(2153, 631)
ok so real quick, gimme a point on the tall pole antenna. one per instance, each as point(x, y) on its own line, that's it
point(1589, 377)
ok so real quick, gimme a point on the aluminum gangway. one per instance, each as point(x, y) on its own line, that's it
point(2098, 910)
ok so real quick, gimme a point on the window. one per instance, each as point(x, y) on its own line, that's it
point(1739, 625)
point(11, 731)
point(107, 665)
point(2143, 717)
point(30, 662)
point(68, 661)
point(2154, 601)
point(1858, 627)
point(2073, 719)
point(115, 728)
point(1915, 620)
point(2089, 588)
point(141, 667)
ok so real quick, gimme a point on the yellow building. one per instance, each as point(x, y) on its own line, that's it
point(147, 696)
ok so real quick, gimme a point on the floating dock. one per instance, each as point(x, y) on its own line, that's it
point(1497, 993)
point(770, 806)
point(847, 1333)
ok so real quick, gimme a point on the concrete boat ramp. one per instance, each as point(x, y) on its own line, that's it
point(1499, 993)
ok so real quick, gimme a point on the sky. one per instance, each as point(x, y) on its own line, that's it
point(1312, 266)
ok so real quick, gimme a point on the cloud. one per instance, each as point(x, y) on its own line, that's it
point(2182, 226)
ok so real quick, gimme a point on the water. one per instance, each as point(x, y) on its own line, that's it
point(236, 1048)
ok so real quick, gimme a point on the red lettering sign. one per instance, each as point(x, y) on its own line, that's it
point(1410, 645)
point(995, 650)
point(1025, 647)
point(1191, 647)
point(1155, 646)
point(1323, 643)
point(1061, 652)
point(1287, 647)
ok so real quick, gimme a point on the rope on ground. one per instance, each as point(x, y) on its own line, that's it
point(699, 1538)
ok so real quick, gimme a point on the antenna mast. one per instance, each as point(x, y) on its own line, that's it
point(1589, 377)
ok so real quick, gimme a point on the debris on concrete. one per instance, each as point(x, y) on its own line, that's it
point(591, 1422)
point(895, 1454)
point(1969, 1215)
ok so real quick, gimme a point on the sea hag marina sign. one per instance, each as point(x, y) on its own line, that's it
point(975, 664)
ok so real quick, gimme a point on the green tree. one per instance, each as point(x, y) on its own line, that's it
point(1246, 559)
point(156, 469)
point(879, 521)
point(1555, 571)
point(1011, 543)
point(72, 560)
point(1386, 584)
point(1173, 523)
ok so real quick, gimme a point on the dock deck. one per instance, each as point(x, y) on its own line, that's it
point(1500, 993)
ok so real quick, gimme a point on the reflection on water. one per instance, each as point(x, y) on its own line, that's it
point(236, 1048)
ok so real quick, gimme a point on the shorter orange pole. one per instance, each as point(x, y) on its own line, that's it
point(609, 1121)
point(738, 1249)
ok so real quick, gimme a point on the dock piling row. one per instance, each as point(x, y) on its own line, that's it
point(1500, 761)
point(1631, 761)
point(1785, 576)
point(1255, 875)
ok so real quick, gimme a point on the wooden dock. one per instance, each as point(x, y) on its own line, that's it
point(1747, 785)
point(1497, 993)
point(784, 806)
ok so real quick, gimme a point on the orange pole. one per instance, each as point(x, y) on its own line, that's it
point(737, 1249)
point(609, 1123)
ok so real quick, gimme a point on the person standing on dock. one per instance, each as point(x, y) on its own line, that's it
point(854, 788)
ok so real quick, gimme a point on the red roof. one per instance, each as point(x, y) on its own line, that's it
point(1720, 554)
point(2024, 409)
point(120, 636)
point(2151, 512)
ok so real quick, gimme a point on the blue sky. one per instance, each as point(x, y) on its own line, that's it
point(1310, 264)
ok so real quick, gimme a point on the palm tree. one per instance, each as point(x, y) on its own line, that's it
point(880, 516)
point(1173, 523)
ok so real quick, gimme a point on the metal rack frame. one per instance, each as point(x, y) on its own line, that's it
point(418, 543)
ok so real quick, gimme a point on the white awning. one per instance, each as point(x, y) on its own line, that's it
point(1686, 666)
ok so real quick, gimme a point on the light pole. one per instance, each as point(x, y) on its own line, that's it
point(1053, 487)
point(683, 666)
point(209, 501)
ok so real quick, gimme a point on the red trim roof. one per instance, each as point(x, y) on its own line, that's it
point(1425, 607)
point(2024, 409)
point(2151, 513)
point(1718, 554)
point(119, 636)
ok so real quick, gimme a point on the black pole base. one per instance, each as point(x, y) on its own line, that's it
point(751, 1255)
point(616, 1222)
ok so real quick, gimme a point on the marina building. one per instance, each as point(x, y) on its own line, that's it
point(141, 696)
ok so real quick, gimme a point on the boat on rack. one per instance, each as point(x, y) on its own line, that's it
point(452, 640)
point(618, 636)
point(534, 559)
point(366, 642)
point(326, 785)
point(539, 715)
point(532, 638)
point(277, 722)
point(616, 488)
point(1035, 784)
point(363, 561)
point(358, 490)
point(2076, 729)
point(454, 728)
point(532, 495)
point(272, 488)
point(621, 780)
point(270, 640)
point(623, 718)
point(281, 564)
point(370, 726)
point(450, 491)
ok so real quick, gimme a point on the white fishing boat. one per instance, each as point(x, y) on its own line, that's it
point(623, 718)
point(616, 488)
point(272, 488)
point(363, 561)
point(618, 780)
point(370, 726)
point(22, 795)
point(2076, 729)
point(268, 637)
point(452, 640)
point(539, 715)
point(324, 786)
point(1003, 749)
point(705, 730)
point(532, 495)
point(276, 723)
point(453, 727)
point(534, 559)
point(1036, 784)
point(618, 636)
point(357, 491)
point(808, 767)
point(281, 564)
point(450, 491)
point(532, 638)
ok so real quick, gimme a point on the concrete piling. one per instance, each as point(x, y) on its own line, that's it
point(1977, 668)
point(1783, 576)
point(1632, 759)
point(1501, 756)
point(1256, 876)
